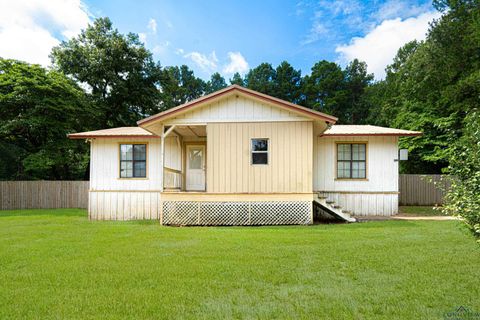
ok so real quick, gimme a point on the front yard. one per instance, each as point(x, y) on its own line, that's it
point(57, 264)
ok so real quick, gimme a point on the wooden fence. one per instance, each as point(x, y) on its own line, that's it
point(43, 194)
point(415, 189)
point(422, 190)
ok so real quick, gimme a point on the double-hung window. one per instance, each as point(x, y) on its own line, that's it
point(133, 161)
point(259, 151)
point(351, 160)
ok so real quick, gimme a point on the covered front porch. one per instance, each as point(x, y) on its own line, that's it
point(183, 155)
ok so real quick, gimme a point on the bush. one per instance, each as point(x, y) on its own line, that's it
point(463, 198)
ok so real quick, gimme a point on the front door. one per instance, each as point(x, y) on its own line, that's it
point(195, 171)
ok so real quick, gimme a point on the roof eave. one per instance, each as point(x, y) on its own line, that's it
point(371, 134)
point(73, 136)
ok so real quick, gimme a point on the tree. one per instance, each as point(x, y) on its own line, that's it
point(179, 85)
point(262, 79)
point(287, 83)
point(324, 88)
point(37, 110)
point(120, 74)
point(357, 79)
point(237, 79)
point(432, 85)
point(216, 83)
point(463, 197)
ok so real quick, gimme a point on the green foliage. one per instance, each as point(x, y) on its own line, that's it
point(237, 79)
point(288, 83)
point(119, 72)
point(463, 198)
point(179, 85)
point(217, 82)
point(262, 79)
point(324, 87)
point(432, 85)
point(37, 110)
point(339, 92)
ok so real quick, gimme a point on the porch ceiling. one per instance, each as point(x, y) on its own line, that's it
point(191, 131)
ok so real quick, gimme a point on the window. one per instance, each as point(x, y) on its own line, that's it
point(259, 151)
point(351, 161)
point(133, 161)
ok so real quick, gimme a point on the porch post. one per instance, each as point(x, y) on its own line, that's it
point(162, 157)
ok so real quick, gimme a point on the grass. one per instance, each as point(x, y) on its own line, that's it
point(420, 211)
point(57, 264)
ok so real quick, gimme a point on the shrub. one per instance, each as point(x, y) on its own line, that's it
point(463, 198)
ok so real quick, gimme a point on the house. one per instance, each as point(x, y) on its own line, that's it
point(240, 157)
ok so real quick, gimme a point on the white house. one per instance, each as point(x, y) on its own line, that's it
point(240, 157)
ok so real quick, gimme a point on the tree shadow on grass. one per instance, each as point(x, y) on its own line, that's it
point(43, 212)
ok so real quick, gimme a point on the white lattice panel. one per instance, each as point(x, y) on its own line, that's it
point(224, 213)
point(180, 212)
point(281, 212)
point(236, 213)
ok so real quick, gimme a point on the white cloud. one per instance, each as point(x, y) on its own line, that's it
point(180, 51)
point(143, 37)
point(169, 24)
point(237, 64)
point(400, 9)
point(161, 48)
point(378, 47)
point(152, 25)
point(206, 63)
point(29, 28)
point(316, 32)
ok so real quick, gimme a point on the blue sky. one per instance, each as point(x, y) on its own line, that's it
point(227, 36)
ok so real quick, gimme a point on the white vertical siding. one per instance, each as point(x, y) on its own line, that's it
point(237, 108)
point(366, 204)
point(290, 157)
point(105, 163)
point(114, 205)
point(382, 170)
point(378, 194)
point(173, 152)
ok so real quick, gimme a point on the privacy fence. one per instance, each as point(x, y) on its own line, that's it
point(415, 189)
point(422, 190)
point(43, 194)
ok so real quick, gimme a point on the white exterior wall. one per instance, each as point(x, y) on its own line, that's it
point(378, 194)
point(105, 163)
point(112, 198)
point(289, 169)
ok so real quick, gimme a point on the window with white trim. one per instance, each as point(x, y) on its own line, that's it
point(259, 151)
point(351, 160)
point(133, 161)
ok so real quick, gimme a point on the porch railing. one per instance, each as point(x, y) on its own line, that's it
point(172, 178)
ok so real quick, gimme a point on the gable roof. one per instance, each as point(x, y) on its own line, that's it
point(367, 130)
point(120, 132)
point(236, 88)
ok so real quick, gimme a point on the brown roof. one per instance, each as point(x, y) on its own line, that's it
point(129, 132)
point(367, 130)
point(309, 112)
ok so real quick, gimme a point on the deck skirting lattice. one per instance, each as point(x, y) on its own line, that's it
point(237, 213)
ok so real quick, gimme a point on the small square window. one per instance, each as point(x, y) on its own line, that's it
point(351, 161)
point(133, 161)
point(259, 151)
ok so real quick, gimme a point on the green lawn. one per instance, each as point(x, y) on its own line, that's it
point(420, 211)
point(57, 264)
